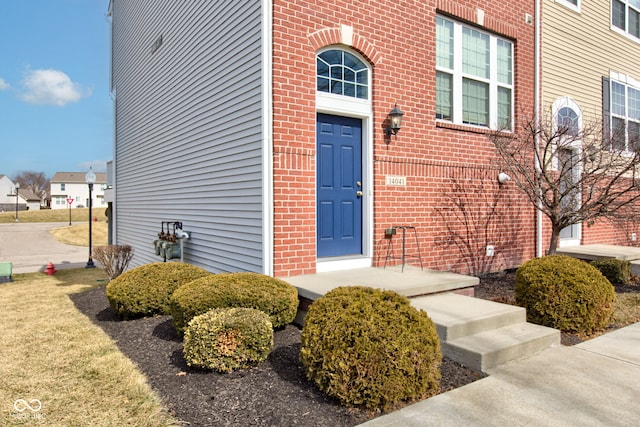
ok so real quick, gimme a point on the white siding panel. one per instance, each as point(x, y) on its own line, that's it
point(189, 128)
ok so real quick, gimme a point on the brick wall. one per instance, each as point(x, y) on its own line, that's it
point(398, 38)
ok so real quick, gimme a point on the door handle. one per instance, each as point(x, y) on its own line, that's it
point(359, 193)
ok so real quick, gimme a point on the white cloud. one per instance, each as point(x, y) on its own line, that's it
point(4, 85)
point(50, 87)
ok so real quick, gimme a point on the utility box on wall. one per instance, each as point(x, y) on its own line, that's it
point(170, 244)
point(167, 250)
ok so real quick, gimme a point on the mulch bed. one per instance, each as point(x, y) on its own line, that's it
point(275, 393)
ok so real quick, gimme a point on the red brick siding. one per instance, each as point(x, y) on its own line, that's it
point(398, 38)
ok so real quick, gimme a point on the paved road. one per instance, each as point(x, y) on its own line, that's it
point(30, 247)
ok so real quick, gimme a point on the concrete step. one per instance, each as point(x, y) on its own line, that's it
point(410, 283)
point(492, 348)
point(457, 316)
point(482, 334)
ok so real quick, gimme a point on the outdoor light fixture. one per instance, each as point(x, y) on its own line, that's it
point(17, 188)
point(90, 179)
point(503, 177)
point(395, 121)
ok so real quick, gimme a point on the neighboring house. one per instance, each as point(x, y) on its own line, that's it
point(72, 185)
point(31, 200)
point(8, 196)
point(263, 127)
point(591, 74)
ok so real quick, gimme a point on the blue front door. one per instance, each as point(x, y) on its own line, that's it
point(339, 182)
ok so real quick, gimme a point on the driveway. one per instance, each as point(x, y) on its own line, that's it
point(30, 247)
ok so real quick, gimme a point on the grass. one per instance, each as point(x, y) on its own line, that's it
point(78, 235)
point(627, 309)
point(78, 215)
point(53, 353)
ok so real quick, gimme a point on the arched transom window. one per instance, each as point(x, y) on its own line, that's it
point(568, 121)
point(342, 73)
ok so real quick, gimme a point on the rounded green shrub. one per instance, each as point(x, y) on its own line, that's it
point(146, 290)
point(616, 270)
point(227, 339)
point(273, 296)
point(565, 293)
point(370, 348)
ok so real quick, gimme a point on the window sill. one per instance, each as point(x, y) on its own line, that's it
point(466, 128)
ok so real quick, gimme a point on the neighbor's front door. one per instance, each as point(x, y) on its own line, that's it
point(567, 165)
point(339, 186)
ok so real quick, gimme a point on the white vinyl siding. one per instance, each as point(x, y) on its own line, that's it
point(189, 128)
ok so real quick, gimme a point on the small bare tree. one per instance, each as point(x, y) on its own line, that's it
point(571, 174)
point(114, 258)
point(36, 182)
point(476, 214)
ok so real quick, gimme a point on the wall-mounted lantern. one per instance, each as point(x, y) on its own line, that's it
point(395, 121)
point(503, 178)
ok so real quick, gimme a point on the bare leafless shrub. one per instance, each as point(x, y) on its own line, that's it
point(114, 258)
point(477, 213)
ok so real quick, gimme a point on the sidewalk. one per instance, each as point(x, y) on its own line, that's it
point(595, 383)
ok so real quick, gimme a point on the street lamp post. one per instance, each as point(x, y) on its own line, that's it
point(17, 194)
point(90, 178)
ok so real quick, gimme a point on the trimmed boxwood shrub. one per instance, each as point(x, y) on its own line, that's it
point(146, 290)
point(227, 339)
point(565, 293)
point(273, 296)
point(370, 348)
point(616, 270)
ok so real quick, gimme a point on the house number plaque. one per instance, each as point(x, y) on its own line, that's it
point(396, 180)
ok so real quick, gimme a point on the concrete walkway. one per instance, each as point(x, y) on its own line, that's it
point(30, 247)
point(599, 251)
point(595, 383)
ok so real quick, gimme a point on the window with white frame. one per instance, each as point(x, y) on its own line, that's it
point(624, 112)
point(567, 121)
point(474, 76)
point(62, 187)
point(625, 15)
point(572, 4)
point(342, 73)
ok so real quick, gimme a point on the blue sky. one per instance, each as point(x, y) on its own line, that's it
point(56, 114)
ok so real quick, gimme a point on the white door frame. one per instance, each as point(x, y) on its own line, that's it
point(352, 107)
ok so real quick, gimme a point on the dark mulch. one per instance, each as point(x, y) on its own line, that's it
point(275, 393)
